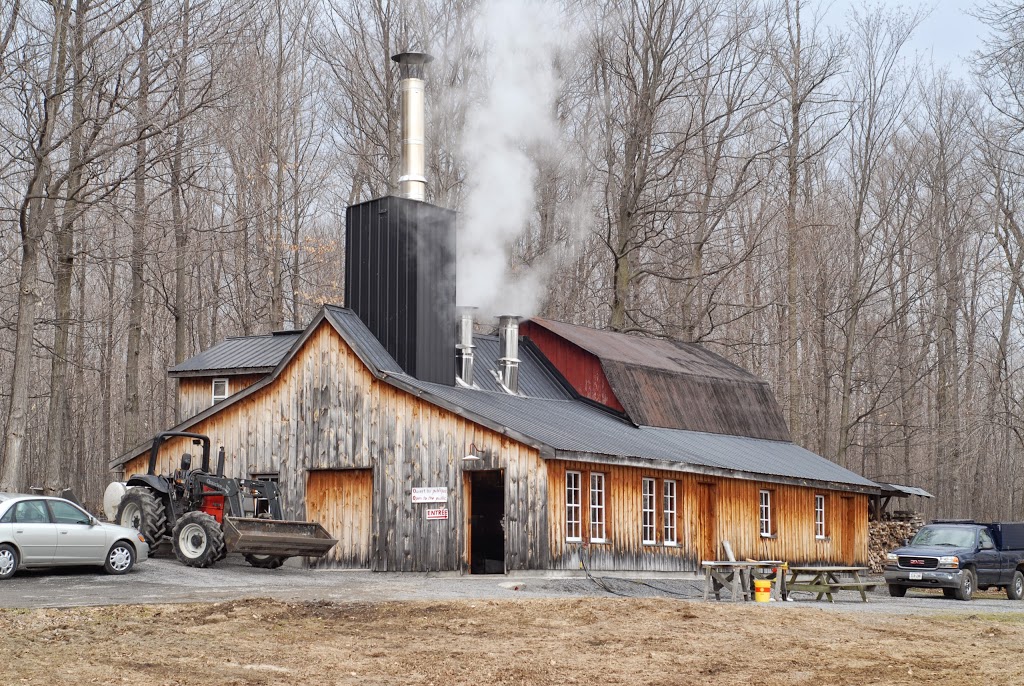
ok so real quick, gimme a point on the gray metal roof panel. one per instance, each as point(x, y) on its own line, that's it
point(241, 352)
point(367, 346)
point(577, 427)
point(900, 490)
point(536, 380)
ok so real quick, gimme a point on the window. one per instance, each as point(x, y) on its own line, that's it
point(66, 513)
point(220, 389)
point(573, 507)
point(31, 512)
point(647, 530)
point(669, 506)
point(819, 516)
point(765, 516)
point(8, 516)
point(597, 529)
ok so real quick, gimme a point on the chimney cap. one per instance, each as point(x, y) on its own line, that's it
point(412, 58)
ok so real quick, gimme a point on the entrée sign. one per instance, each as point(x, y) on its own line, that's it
point(430, 494)
point(437, 513)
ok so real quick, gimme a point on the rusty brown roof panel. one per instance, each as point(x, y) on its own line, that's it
point(676, 385)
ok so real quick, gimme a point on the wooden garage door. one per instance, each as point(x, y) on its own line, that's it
point(340, 500)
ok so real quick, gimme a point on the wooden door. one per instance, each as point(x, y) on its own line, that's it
point(340, 499)
point(707, 522)
point(849, 533)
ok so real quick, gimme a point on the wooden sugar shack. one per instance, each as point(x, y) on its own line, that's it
point(422, 446)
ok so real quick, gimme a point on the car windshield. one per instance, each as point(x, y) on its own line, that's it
point(954, 536)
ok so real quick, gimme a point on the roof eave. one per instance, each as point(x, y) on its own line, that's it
point(229, 371)
point(690, 468)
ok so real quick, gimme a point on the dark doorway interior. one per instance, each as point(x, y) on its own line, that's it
point(487, 535)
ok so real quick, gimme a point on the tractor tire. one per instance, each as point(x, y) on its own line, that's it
point(197, 540)
point(265, 561)
point(142, 510)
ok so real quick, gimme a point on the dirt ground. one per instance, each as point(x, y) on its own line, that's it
point(519, 641)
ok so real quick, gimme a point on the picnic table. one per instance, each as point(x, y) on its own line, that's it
point(737, 576)
point(828, 580)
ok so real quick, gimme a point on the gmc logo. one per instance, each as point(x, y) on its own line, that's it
point(917, 562)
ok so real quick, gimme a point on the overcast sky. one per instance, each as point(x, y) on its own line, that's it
point(946, 37)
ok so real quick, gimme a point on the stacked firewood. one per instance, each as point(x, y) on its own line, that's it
point(889, 535)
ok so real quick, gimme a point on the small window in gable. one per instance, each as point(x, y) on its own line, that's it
point(220, 390)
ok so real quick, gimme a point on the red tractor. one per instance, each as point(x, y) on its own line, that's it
point(207, 515)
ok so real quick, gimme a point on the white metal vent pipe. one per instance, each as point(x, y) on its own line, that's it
point(508, 363)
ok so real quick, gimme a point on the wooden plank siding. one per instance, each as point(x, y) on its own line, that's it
point(580, 368)
point(195, 393)
point(730, 505)
point(326, 411)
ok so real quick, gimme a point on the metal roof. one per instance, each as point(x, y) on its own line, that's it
point(671, 384)
point(662, 354)
point(901, 491)
point(573, 426)
point(366, 346)
point(536, 379)
point(239, 355)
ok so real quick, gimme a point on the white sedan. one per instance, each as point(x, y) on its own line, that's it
point(39, 531)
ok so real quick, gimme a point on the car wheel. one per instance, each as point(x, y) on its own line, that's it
point(1015, 591)
point(966, 590)
point(897, 591)
point(8, 561)
point(141, 510)
point(120, 558)
point(198, 540)
point(265, 561)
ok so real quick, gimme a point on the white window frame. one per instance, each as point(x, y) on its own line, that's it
point(227, 390)
point(819, 517)
point(598, 529)
point(668, 502)
point(764, 517)
point(648, 530)
point(573, 506)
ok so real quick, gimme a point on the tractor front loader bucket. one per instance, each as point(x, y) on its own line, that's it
point(276, 537)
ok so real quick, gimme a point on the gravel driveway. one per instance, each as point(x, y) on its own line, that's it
point(164, 580)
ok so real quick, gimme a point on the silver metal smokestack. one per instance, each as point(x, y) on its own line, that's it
point(464, 348)
point(508, 363)
point(413, 181)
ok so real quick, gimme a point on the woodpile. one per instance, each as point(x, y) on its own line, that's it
point(886, 536)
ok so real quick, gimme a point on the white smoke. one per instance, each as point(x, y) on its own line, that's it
point(518, 41)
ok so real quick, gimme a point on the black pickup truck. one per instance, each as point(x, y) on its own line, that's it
point(959, 557)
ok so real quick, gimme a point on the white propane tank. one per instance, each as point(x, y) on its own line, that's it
point(112, 498)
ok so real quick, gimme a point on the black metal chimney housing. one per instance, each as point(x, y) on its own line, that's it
point(400, 280)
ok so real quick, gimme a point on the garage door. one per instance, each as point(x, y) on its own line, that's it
point(340, 500)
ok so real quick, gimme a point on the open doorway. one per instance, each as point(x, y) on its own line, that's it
point(486, 519)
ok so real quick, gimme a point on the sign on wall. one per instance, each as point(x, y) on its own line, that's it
point(430, 494)
point(437, 513)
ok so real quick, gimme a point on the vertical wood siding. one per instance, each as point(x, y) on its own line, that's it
point(195, 393)
point(326, 411)
point(580, 368)
point(729, 506)
point(341, 501)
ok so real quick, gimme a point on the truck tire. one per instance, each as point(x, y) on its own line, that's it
point(198, 540)
point(140, 509)
point(1015, 589)
point(897, 591)
point(265, 561)
point(966, 590)
point(949, 593)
